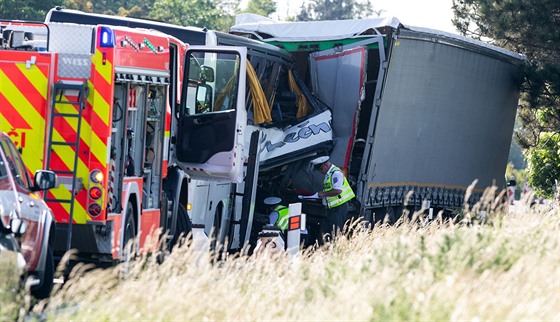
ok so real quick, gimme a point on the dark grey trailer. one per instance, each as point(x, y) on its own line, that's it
point(413, 109)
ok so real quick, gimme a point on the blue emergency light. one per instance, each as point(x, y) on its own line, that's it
point(107, 38)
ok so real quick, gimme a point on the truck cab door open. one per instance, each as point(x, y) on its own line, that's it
point(212, 114)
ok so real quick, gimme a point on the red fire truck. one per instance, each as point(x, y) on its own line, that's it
point(94, 104)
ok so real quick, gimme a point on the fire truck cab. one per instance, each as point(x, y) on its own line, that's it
point(96, 105)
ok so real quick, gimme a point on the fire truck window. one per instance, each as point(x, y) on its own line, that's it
point(213, 82)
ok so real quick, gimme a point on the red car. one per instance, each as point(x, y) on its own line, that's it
point(19, 198)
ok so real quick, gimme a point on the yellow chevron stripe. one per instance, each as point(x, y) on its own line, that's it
point(80, 215)
point(102, 110)
point(33, 118)
point(39, 81)
point(104, 70)
point(102, 107)
point(96, 146)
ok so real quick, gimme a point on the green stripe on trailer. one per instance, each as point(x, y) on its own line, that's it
point(317, 45)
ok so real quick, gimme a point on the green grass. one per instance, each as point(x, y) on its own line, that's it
point(505, 269)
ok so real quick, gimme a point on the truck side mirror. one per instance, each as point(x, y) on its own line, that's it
point(18, 226)
point(203, 98)
point(44, 180)
point(207, 73)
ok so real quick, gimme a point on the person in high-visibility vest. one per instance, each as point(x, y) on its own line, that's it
point(279, 214)
point(335, 194)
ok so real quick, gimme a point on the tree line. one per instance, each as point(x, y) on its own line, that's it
point(212, 14)
point(529, 27)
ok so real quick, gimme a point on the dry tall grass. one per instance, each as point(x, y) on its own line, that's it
point(505, 269)
point(10, 298)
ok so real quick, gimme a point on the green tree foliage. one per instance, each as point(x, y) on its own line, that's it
point(335, 10)
point(532, 28)
point(229, 9)
point(198, 13)
point(261, 7)
point(214, 14)
point(82, 5)
point(134, 8)
point(543, 164)
point(34, 10)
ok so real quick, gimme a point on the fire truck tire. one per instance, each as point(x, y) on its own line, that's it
point(129, 234)
point(45, 289)
point(183, 231)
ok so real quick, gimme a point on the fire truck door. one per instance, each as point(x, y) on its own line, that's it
point(212, 116)
point(338, 79)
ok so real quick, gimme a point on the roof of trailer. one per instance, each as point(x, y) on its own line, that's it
point(235, 40)
point(269, 30)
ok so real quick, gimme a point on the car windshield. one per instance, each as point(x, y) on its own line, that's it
point(15, 164)
point(6, 194)
point(3, 170)
point(8, 204)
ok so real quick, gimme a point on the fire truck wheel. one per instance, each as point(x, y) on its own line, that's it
point(129, 234)
point(44, 290)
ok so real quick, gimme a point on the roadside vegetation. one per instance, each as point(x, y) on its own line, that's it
point(11, 298)
point(504, 268)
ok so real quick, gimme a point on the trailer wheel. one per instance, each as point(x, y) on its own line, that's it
point(386, 215)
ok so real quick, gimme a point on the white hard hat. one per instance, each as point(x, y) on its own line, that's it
point(319, 160)
point(271, 201)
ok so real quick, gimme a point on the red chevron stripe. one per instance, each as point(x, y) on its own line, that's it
point(16, 120)
point(100, 123)
point(56, 162)
point(60, 214)
point(26, 87)
point(101, 85)
point(101, 128)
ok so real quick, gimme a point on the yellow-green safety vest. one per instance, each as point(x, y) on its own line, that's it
point(346, 194)
point(283, 217)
